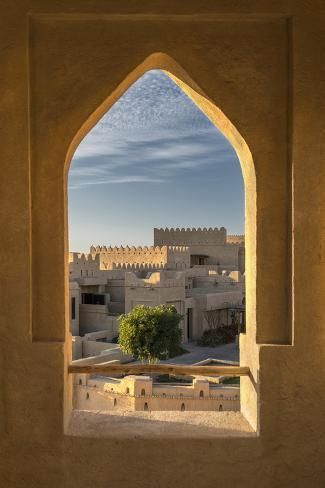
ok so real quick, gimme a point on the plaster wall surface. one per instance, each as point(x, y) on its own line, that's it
point(261, 62)
point(83, 265)
point(95, 318)
point(150, 257)
point(213, 243)
point(199, 303)
point(157, 289)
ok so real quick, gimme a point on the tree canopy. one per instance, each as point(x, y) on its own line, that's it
point(148, 333)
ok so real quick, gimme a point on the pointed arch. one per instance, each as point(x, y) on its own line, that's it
point(191, 88)
point(249, 350)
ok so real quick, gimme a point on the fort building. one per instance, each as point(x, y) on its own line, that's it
point(206, 246)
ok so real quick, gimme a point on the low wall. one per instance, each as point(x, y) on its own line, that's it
point(94, 348)
point(94, 398)
point(95, 318)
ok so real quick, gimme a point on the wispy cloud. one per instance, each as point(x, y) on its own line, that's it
point(150, 135)
point(153, 160)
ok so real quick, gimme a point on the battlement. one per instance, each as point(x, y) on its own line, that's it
point(139, 258)
point(133, 249)
point(138, 266)
point(75, 257)
point(236, 239)
point(188, 237)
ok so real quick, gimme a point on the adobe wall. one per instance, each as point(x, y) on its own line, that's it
point(83, 265)
point(139, 393)
point(189, 237)
point(211, 242)
point(159, 288)
point(147, 257)
point(94, 318)
point(210, 301)
point(261, 62)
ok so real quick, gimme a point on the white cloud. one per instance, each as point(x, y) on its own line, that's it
point(150, 134)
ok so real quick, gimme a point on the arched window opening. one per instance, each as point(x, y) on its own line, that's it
point(145, 407)
point(220, 408)
point(87, 396)
point(115, 402)
point(127, 163)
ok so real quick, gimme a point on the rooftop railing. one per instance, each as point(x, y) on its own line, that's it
point(173, 369)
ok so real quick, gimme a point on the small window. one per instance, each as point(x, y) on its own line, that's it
point(127, 390)
point(220, 408)
point(143, 392)
point(201, 393)
point(80, 381)
point(145, 407)
point(183, 407)
point(87, 396)
point(115, 402)
point(73, 308)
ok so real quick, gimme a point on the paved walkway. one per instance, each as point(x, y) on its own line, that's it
point(228, 352)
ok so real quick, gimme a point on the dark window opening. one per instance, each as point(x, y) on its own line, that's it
point(189, 324)
point(92, 299)
point(73, 308)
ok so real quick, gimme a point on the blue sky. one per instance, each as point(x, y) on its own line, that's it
point(153, 160)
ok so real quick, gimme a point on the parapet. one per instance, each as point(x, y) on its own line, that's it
point(127, 249)
point(188, 237)
point(236, 239)
point(80, 256)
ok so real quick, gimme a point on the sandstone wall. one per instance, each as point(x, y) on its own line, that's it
point(255, 67)
point(189, 237)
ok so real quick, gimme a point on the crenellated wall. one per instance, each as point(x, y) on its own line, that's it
point(136, 258)
point(188, 237)
point(83, 265)
point(213, 244)
point(236, 239)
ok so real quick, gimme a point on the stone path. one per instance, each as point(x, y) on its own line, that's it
point(229, 352)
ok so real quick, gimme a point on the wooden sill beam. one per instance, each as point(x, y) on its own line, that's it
point(174, 369)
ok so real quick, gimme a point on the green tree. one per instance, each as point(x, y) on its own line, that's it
point(148, 333)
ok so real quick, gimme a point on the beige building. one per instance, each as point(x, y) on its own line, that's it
point(206, 246)
point(101, 294)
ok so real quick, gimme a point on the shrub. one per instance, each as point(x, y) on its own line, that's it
point(221, 335)
point(150, 333)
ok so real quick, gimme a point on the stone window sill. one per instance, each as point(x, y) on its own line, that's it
point(84, 423)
